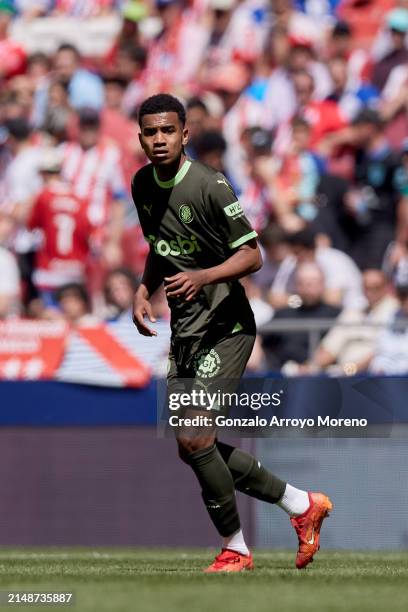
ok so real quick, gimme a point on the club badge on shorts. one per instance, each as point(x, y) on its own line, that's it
point(207, 363)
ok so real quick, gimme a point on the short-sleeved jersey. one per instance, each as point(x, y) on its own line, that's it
point(193, 222)
point(63, 219)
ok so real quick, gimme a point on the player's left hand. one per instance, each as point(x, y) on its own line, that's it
point(185, 284)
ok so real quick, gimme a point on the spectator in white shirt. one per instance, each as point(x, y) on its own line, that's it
point(391, 351)
point(343, 282)
point(9, 272)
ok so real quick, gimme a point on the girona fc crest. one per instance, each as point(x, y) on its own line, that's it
point(207, 363)
point(185, 214)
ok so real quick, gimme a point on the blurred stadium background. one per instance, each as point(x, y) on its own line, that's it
point(304, 106)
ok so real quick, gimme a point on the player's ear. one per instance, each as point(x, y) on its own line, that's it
point(185, 135)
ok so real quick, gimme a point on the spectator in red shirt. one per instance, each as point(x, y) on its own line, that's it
point(118, 128)
point(12, 54)
point(63, 219)
point(323, 116)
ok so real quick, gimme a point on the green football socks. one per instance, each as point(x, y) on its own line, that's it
point(249, 476)
point(218, 489)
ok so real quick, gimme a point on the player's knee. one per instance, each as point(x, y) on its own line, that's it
point(187, 445)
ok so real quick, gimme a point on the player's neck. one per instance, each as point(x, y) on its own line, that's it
point(166, 173)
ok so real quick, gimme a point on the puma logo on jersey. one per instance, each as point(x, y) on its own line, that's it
point(148, 208)
point(224, 182)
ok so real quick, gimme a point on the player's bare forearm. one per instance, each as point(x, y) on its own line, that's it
point(187, 285)
point(142, 308)
point(152, 277)
point(245, 260)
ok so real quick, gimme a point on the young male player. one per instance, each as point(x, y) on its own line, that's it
point(200, 245)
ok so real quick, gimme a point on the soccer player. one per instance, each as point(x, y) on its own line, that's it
point(200, 245)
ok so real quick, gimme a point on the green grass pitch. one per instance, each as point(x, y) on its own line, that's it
point(156, 580)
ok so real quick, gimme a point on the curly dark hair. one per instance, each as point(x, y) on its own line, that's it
point(162, 103)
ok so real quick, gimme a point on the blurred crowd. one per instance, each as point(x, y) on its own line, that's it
point(302, 104)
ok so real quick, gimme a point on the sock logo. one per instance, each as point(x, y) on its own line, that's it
point(207, 363)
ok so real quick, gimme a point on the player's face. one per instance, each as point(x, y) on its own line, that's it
point(162, 138)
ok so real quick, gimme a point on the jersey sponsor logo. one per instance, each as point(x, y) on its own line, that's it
point(207, 363)
point(234, 210)
point(185, 214)
point(176, 247)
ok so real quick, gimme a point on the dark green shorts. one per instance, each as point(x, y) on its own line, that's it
point(209, 364)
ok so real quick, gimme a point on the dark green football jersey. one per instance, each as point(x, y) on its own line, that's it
point(194, 221)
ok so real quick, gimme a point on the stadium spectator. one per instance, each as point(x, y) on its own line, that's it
point(66, 230)
point(300, 59)
point(295, 185)
point(10, 289)
point(308, 303)
point(129, 36)
point(85, 89)
point(130, 66)
point(348, 347)
point(397, 22)
point(260, 169)
point(38, 71)
point(275, 249)
point(237, 31)
point(210, 147)
point(323, 116)
point(395, 263)
point(198, 121)
point(342, 285)
point(176, 53)
point(391, 351)
point(372, 203)
point(394, 105)
point(60, 119)
point(119, 289)
point(93, 166)
point(21, 181)
point(350, 98)
point(118, 128)
point(74, 304)
point(12, 55)
point(30, 9)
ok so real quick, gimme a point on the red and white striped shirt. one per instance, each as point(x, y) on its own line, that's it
point(96, 175)
point(83, 8)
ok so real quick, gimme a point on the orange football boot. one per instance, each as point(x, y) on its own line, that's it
point(307, 527)
point(231, 561)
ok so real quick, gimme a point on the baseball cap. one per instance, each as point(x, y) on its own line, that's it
point(7, 7)
point(89, 117)
point(341, 28)
point(397, 19)
point(50, 160)
point(134, 11)
point(222, 5)
point(368, 115)
point(261, 139)
point(297, 40)
point(163, 3)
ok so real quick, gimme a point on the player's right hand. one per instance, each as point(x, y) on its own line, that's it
point(142, 308)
